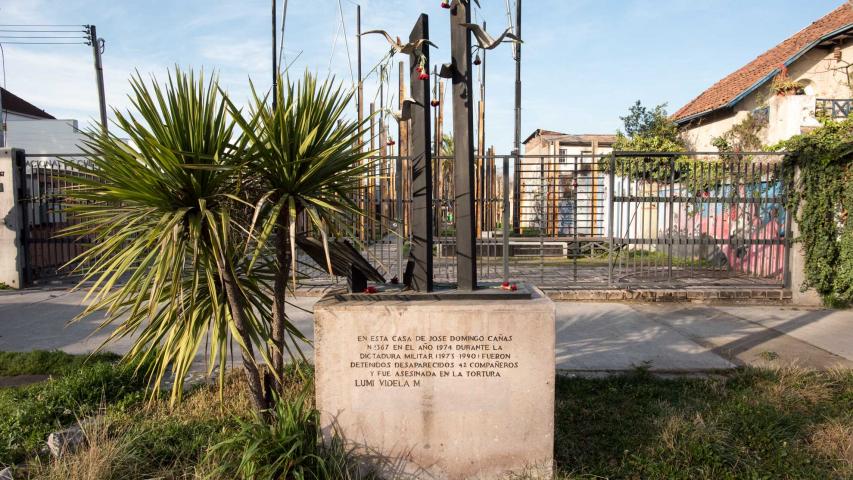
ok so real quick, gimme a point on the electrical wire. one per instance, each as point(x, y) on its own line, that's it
point(3, 114)
point(10, 25)
point(36, 36)
point(281, 45)
point(41, 31)
point(346, 43)
point(45, 43)
point(334, 44)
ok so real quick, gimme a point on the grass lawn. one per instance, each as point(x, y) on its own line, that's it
point(753, 423)
point(42, 362)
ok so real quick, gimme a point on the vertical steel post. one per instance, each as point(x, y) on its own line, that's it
point(99, 75)
point(274, 64)
point(505, 219)
point(516, 216)
point(670, 237)
point(463, 141)
point(611, 183)
point(421, 159)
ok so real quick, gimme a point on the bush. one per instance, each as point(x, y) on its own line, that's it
point(287, 444)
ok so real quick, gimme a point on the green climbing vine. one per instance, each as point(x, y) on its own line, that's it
point(822, 197)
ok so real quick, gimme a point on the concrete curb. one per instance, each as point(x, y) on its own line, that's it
point(772, 296)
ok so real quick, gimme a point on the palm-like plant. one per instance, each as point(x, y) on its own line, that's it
point(168, 262)
point(303, 156)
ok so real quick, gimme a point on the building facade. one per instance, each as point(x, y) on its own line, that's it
point(817, 61)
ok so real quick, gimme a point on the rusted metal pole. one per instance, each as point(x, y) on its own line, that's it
point(421, 158)
point(463, 144)
point(403, 150)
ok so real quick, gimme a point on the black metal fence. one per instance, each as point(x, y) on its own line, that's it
point(45, 181)
point(619, 220)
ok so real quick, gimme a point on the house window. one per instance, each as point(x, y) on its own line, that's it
point(563, 153)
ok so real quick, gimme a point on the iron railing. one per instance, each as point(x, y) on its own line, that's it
point(834, 108)
point(617, 220)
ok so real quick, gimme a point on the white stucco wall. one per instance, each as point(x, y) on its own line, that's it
point(44, 136)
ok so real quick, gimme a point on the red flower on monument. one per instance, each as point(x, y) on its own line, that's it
point(423, 76)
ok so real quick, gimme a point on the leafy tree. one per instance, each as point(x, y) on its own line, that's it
point(648, 130)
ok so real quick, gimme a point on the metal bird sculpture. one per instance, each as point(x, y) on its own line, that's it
point(454, 3)
point(404, 113)
point(485, 40)
point(397, 45)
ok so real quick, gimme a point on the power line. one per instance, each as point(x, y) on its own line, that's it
point(346, 42)
point(10, 25)
point(45, 43)
point(281, 45)
point(41, 31)
point(38, 36)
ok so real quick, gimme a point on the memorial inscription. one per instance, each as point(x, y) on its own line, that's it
point(402, 360)
point(441, 389)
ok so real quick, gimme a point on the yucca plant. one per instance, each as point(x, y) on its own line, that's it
point(302, 157)
point(170, 262)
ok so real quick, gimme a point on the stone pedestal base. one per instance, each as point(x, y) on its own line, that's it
point(440, 389)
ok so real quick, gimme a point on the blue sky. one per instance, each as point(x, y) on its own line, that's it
point(585, 61)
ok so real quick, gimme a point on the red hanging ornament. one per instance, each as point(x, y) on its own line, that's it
point(434, 103)
point(445, 5)
point(477, 60)
point(423, 76)
point(390, 142)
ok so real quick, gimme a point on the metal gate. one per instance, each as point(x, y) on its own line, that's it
point(697, 220)
point(44, 183)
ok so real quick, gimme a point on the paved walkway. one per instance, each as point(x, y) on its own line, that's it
point(591, 337)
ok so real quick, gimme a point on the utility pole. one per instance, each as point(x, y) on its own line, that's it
point(97, 50)
point(274, 63)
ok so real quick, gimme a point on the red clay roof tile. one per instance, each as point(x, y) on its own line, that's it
point(723, 92)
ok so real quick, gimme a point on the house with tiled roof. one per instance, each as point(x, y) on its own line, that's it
point(817, 61)
point(567, 166)
point(30, 128)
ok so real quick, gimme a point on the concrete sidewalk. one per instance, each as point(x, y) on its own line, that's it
point(591, 337)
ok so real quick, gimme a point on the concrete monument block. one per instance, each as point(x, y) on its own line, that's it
point(439, 389)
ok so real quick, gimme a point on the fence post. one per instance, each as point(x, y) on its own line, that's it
point(505, 218)
point(12, 251)
point(795, 260)
point(610, 193)
point(670, 237)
